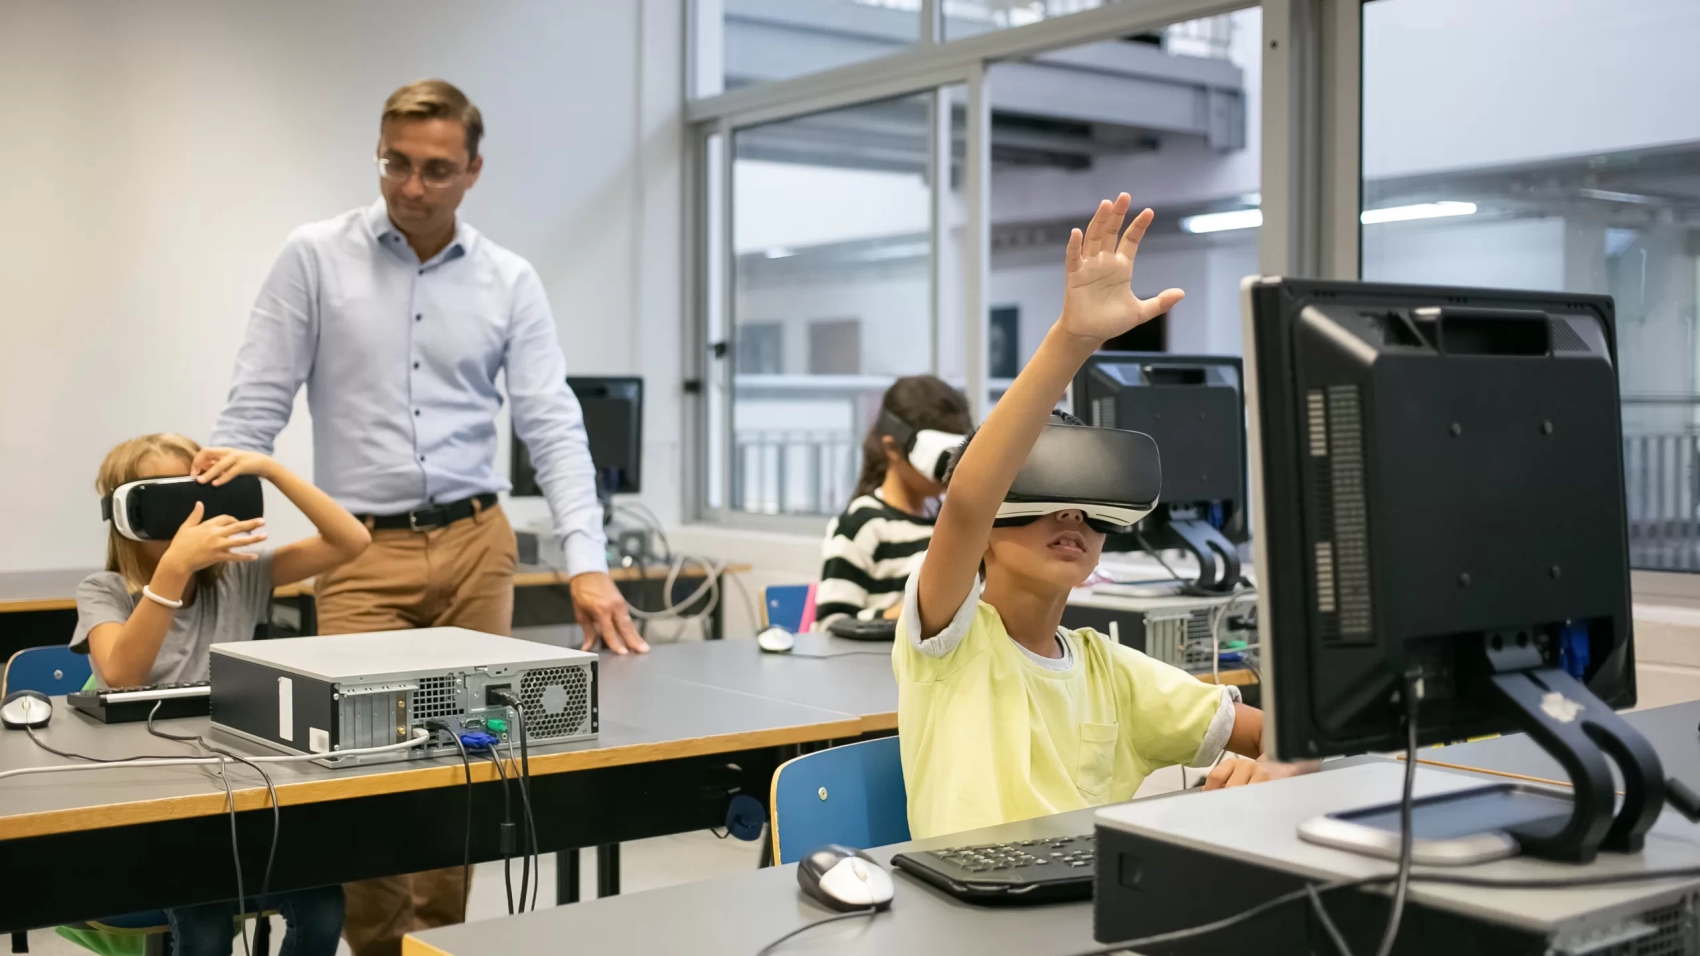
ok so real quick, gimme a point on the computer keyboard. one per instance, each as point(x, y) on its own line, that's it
point(1024, 871)
point(118, 705)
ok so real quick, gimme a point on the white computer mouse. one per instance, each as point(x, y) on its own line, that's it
point(844, 879)
point(25, 708)
point(776, 640)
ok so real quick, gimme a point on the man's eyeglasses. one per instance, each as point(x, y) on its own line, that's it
point(437, 174)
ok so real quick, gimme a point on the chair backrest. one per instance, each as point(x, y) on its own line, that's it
point(782, 606)
point(51, 670)
point(852, 795)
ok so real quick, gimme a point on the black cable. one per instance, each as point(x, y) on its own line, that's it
point(512, 701)
point(236, 858)
point(466, 850)
point(271, 790)
point(55, 751)
point(1327, 923)
point(1413, 704)
point(507, 823)
point(1188, 588)
point(770, 947)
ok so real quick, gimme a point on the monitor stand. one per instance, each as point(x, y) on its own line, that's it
point(1579, 730)
point(1218, 558)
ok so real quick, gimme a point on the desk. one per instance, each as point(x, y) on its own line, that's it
point(669, 752)
point(42, 605)
point(1672, 730)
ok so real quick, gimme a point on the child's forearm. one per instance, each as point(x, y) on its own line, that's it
point(125, 653)
point(341, 530)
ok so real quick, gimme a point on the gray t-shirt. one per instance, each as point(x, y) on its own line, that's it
point(228, 611)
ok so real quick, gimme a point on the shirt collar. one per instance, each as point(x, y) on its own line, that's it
point(385, 234)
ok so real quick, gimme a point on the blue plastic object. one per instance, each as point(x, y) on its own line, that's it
point(1573, 649)
point(476, 740)
point(52, 670)
point(744, 817)
point(852, 795)
point(784, 605)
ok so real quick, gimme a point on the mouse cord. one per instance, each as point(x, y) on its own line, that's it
point(770, 947)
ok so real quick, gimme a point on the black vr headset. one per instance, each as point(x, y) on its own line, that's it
point(1111, 476)
point(152, 509)
point(927, 449)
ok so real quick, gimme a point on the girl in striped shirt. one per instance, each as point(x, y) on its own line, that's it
point(872, 547)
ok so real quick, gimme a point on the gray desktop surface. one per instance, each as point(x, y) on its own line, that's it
point(1673, 730)
point(646, 714)
point(853, 677)
point(1259, 824)
point(737, 915)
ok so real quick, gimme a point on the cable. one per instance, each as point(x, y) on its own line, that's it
point(1216, 633)
point(770, 947)
point(466, 850)
point(1327, 923)
point(505, 844)
point(271, 791)
point(1413, 704)
point(511, 699)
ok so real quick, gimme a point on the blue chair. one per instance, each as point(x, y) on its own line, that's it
point(783, 605)
point(51, 670)
point(852, 795)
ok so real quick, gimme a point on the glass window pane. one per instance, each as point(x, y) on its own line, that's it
point(745, 42)
point(1175, 130)
point(1510, 168)
point(831, 216)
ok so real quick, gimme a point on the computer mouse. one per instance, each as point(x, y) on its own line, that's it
point(776, 640)
point(25, 708)
point(844, 879)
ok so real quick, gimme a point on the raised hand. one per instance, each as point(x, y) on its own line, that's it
point(219, 465)
point(201, 544)
point(1098, 302)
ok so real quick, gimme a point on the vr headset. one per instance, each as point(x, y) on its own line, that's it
point(1111, 476)
point(154, 508)
point(927, 449)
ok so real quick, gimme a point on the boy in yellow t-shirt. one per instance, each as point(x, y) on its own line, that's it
point(1003, 714)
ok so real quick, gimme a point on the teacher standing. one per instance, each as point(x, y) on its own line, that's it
point(399, 317)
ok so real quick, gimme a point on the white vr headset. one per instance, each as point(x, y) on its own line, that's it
point(927, 449)
point(1113, 477)
point(152, 509)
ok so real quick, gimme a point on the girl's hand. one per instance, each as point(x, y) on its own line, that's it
point(219, 465)
point(1098, 302)
point(201, 544)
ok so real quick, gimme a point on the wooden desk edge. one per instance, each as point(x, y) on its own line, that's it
point(49, 822)
point(523, 579)
point(411, 945)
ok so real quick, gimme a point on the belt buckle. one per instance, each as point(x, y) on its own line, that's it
point(413, 521)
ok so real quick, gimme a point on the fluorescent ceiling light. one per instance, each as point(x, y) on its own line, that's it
point(779, 252)
point(1612, 195)
point(1223, 221)
point(1422, 210)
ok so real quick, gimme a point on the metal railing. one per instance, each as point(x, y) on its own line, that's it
point(1661, 474)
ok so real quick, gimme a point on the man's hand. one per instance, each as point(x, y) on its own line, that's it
point(219, 465)
point(1239, 771)
point(600, 609)
point(1098, 299)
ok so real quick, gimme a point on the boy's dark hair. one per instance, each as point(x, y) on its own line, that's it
point(921, 402)
point(1058, 417)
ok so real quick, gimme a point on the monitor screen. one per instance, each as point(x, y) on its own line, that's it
point(613, 423)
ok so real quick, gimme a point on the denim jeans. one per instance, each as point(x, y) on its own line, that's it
point(314, 917)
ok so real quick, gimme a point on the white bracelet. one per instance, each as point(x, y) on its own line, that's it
point(147, 592)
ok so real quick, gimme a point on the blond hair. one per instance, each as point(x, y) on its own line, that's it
point(122, 465)
point(437, 99)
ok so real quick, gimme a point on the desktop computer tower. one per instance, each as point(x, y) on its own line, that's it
point(332, 693)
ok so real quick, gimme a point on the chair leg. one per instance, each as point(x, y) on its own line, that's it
point(766, 849)
point(262, 935)
point(20, 942)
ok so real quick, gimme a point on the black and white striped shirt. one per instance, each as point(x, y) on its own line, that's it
point(869, 552)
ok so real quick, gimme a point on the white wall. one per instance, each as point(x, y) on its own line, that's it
point(157, 154)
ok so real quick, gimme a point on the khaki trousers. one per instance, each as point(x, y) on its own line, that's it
point(459, 575)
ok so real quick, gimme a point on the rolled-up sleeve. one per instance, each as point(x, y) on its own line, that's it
point(548, 419)
point(276, 354)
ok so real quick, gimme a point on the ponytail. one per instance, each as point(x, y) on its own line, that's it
point(874, 464)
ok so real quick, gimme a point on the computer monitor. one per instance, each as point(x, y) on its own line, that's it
point(613, 422)
point(1194, 406)
point(1440, 522)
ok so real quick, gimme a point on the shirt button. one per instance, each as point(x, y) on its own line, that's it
point(418, 317)
point(416, 413)
point(421, 457)
point(415, 364)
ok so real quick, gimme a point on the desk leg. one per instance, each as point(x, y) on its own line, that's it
point(566, 877)
point(608, 870)
point(20, 942)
